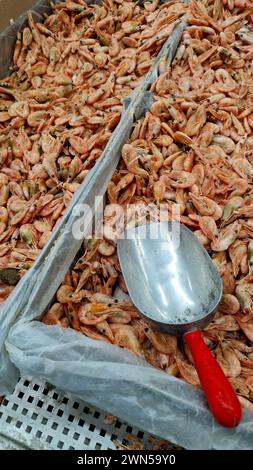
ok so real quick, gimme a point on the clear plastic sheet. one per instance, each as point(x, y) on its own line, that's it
point(102, 374)
point(122, 384)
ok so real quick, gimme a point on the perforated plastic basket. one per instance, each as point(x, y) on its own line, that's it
point(38, 416)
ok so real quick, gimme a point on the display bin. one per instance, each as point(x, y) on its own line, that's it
point(101, 374)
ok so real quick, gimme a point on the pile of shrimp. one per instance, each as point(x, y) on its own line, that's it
point(193, 149)
point(59, 107)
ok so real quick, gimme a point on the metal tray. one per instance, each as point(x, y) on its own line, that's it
point(39, 416)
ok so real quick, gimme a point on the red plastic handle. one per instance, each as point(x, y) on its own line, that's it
point(220, 395)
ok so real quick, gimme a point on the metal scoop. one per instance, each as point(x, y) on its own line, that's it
point(175, 285)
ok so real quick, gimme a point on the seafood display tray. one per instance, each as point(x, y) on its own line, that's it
point(39, 416)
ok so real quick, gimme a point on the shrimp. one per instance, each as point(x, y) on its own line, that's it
point(207, 134)
point(231, 206)
point(178, 116)
point(106, 249)
point(209, 228)
point(131, 159)
point(226, 237)
point(246, 326)
point(54, 315)
point(195, 122)
point(224, 323)
point(225, 81)
point(182, 179)
point(3, 219)
point(244, 293)
point(229, 304)
point(188, 372)
point(206, 206)
point(124, 336)
point(228, 360)
point(226, 143)
point(67, 295)
point(93, 334)
point(86, 317)
point(103, 328)
point(162, 342)
point(238, 253)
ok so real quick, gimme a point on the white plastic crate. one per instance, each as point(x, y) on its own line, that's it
point(38, 416)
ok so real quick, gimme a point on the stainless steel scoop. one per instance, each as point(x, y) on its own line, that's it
point(174, 284)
